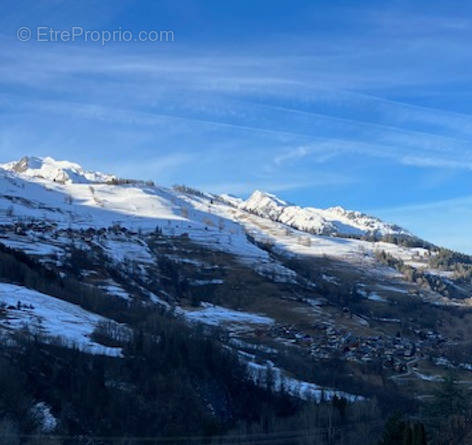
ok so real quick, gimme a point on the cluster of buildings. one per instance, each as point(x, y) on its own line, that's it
point(395, 352)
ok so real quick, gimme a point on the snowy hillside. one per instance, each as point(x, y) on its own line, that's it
point(270, 274)
point(49, 316)
point(64, 194)
point(332, 221)
point(85, 191)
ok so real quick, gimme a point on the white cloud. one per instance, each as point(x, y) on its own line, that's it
point(244, 188)
point(436, 162)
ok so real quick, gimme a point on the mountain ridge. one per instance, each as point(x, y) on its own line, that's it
point(333, 221)
point(57, 171)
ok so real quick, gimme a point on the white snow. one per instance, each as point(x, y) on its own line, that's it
point(115, 289)
point(262, 373)
point(392, 289)
point(219, 223)
point(42, 413)
point(216, 315)
point(332, 221)
point(122, 251)
point(232, 200)
point(135, 207)
point(49, 168)
point(428, 378)
point(64, 195)
point(376, 297)
point(28, 193)
point(206, 282)
point(51, 317)
point(32, 247)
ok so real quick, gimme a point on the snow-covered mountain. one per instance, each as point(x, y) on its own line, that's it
point(332, 221)
point(57, 171)
point(63, 192)
point(263, 269)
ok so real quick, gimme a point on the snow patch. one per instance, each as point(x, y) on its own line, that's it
point(42, 413)
point(51, 317)
point(268, 374)
point(216, 315)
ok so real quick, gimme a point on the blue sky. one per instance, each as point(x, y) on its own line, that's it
point(364, 104)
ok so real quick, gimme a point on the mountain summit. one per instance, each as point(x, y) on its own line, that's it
point(332, 221)
point(57, 171)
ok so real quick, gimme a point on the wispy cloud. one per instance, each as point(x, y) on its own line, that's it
point(436, 162)
point(293, 154)
point(457, 204)
point(244, 188)
point(282, 111)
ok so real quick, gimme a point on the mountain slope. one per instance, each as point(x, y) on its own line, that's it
point(280, 280)
point(50, 317)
